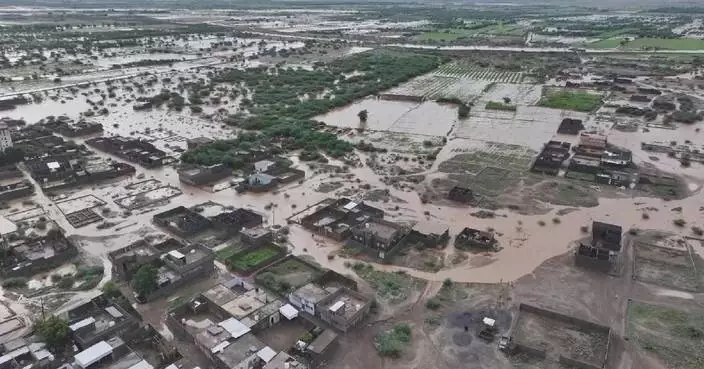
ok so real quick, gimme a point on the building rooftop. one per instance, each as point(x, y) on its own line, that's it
point(247, 303)
point(383, 230)
point(430, 228)
point(240, 350)
point(346, 304)
point(220, 295)
point(255, 232)
point(281, 360)
point(321, 343)
point(312, 293)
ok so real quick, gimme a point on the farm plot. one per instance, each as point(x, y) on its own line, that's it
point(79, 203)
point(433, 86)
point(461, 69)
point(517, 94)
point(673, 336)
point(561, 336)
point(528, 126)
point(425, 118)
point(27, 214)
point(288, 274)
point(490, 170)
point(147, 198)
point(667, 267)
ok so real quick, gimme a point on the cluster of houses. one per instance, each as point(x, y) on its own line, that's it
point(363, 226)
point(261, 176)
point(591, 159)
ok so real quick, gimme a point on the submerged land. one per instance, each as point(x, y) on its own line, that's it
point(357, 186)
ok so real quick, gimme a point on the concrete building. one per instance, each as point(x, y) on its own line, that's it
point(256, 236)
point(335, 218)
point(431, 234)
point(471, 238)
point(126, 261)
point(379, 235)
point(307, 297)
point(236, 220)
point(36, 255)
point(5, 137)
point(203, 175)
point(344, 309)
point(606, 236)
point(98, 320)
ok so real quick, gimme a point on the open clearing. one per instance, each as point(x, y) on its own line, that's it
point(675, 337)
point(570, 100)
point(647, 42)
point(666, 267)
point(79, 203)
point(562, 336)
point(427, 118)
point(289, 274)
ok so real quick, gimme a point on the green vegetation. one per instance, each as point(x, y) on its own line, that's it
point(111, 290)
point(676, 337)
point(281, 103)
point(650, 43)
point(497, 105)
point(577, 101)
point(224, 254)
point(144, 281)
point(288, 275)
point(16, 282)
point(449, 293)
point(54, 331)
point(391, 343)
point(393, 287)
point(252, 258)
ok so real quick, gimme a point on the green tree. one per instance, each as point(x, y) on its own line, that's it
point(144, 281)
point(110, 290)
point(363, 115)
point(54, 331)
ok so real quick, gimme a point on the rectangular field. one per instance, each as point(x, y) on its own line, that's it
point(674, 336)
point(666, 267)
point(561, 335)
point(288, 274)
point(147, 198)
point(79, 203)
point(253, 258)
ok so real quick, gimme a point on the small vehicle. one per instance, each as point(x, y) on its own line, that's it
point(505, 343)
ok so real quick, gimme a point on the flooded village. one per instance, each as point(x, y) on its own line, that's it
point(357, 186)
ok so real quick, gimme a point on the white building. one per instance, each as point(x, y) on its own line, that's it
point(5, 138)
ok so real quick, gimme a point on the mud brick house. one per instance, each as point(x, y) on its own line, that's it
point(379, 235)
point(336, 218)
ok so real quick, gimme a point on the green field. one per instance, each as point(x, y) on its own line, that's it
point(253, 258)
point(643, 43)
point(452, 34)
point(675, 337)
point(497, 105)
point(569, 100)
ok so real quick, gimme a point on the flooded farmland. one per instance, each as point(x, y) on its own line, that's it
point(439, 181)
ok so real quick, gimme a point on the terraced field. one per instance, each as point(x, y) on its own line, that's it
point(456, 80)
point(472, 71)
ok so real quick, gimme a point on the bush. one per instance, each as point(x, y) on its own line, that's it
point(66, 282)
point(447, 283)
point(433, 303)
point(541, 223)
point(679, 222)
point(697, 231)
point(556, 220)
point(645, 216)
point(584, 229)
point(391, 343)
point(17, 282)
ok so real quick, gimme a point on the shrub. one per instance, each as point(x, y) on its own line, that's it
point(433, 303)
point(447, 283)
point(17, 282)
point(584, 229)
point(541, 223)
point(556, 220)
point(697, 231)
point(645, 216)
point(679, 222)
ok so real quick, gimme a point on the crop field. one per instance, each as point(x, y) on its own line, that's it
point(460, 80)
point(434, 86)
point(570, 100)
point(254, 258)
point(673, 336)
point(461, 69)
point(529, 126)
point(643, 43)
